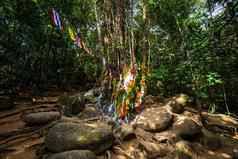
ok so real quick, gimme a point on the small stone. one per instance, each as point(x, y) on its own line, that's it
point(89, 111)
point(176, 108)
point(74, 154)
point(178, 103)
point(182, 99)
point(41, 117)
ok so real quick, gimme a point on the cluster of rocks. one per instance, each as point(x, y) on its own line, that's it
point(67, 136)
point(165, 130)
point(70, 106)
point(175, 130)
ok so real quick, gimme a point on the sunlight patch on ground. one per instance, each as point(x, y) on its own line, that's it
point(211, 153)
point(225, 155)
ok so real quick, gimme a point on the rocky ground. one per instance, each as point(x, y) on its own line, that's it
point(72, 127)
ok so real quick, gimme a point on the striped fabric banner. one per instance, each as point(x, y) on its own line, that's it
point(55, 18)
point(78, 42)
point(75, 37)
point(72, 33)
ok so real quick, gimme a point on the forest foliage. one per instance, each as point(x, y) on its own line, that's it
point(190, 45)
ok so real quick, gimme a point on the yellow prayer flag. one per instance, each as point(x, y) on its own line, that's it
point(72, 34)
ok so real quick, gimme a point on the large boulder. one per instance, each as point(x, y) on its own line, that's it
point(154, 119)
point(97, 137)
point(178, 103)
point(186, 127)
point(6, 103)
point(74, 154)
point(41, 117)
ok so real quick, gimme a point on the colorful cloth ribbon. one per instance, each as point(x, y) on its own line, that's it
point(134, 93)
point(126, 86)
point(78, 41)
point(129, 79)
point(72, 33)
point(140, 95)
point(75, 37)
point(55, 19)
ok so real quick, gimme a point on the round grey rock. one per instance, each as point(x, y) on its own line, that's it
point(89, 111)
point(178, 103)
point(96, 137)
point(154, 119)
point(41, 117)
point(176, 108)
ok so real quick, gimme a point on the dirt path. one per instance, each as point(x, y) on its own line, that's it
point(18, 140)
